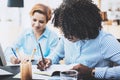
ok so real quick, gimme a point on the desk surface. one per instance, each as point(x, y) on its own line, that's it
point(12, 69)
point(15, 70)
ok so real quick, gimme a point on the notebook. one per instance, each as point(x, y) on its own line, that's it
point(2, 57)
point(52, 73)
point(54, 70)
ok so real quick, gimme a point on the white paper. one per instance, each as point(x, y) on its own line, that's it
point(41, 77)
point(53, 68)
point(3, 72)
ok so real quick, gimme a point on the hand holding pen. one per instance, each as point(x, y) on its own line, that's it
point(14, 59)
point(44, 63)
point(43, 66)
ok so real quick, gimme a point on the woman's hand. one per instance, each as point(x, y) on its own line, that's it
point(43, 66)
point(84, 72)
point(14, 60)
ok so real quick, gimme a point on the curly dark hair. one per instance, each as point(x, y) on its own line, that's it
point(78, 18)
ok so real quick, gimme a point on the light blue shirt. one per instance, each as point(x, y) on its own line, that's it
point(26, 42)
point(95, 53)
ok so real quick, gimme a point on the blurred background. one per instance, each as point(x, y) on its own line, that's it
point(14, 19)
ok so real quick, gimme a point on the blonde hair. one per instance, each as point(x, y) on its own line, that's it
point(41, 8)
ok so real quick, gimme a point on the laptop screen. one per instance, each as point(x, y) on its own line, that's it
point(2, 57)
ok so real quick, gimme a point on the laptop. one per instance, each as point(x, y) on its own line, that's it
point(2, 57)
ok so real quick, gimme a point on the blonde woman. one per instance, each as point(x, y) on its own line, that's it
point(39, 33)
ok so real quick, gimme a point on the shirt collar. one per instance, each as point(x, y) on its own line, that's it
point(45, 33)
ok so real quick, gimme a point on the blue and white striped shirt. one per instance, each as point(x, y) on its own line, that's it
point(95, 53)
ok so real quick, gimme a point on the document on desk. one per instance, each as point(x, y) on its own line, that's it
point(4, 72)
point(48, 74)
point(54, 70)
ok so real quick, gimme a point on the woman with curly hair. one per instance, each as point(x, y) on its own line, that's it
point(84, 42)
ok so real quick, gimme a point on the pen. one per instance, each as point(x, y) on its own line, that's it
point(14, 52)
point(41, 53)
point(32, 55)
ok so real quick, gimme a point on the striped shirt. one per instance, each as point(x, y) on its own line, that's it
point(95, 53)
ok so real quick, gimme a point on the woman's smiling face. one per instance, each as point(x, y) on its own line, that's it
point(38, 21)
